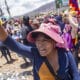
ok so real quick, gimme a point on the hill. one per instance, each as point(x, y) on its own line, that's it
point(45, 8)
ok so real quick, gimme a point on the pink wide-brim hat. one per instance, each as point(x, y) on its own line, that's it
point(48, 29)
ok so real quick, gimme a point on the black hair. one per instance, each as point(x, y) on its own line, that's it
point(26, 20)
point(35, 35)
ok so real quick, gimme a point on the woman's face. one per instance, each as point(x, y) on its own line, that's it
point(45, 46)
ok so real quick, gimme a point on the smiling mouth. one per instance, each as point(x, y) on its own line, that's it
point(42, 50)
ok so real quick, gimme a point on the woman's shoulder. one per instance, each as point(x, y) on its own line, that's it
point(61, 50)
point(62, 54)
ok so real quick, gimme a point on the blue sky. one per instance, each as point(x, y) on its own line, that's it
point(19, 7)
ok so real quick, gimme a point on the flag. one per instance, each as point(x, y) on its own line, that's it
point(75, 5)
point(79, 4)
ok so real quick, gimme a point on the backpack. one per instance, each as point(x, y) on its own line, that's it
point(68, 65)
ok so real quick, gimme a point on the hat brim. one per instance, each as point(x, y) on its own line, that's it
point(53, 35)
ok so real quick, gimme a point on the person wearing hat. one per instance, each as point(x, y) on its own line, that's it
point(49, 62)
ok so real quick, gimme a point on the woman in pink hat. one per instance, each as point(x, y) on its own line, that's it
point(49, 61)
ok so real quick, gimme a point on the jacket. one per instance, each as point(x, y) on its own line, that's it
point(40, 70)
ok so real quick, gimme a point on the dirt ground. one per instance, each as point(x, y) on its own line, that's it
point(15, 66)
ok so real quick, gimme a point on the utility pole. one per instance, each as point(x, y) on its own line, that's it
point(1, 12)
point(7, 7)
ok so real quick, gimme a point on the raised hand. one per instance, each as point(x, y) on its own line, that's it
point(3, 33)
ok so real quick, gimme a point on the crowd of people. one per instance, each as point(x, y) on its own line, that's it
point(51, 42)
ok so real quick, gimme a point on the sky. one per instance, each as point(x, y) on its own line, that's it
point(20, 7)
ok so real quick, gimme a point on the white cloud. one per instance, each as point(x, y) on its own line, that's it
point(19, 7)
point(19, 10)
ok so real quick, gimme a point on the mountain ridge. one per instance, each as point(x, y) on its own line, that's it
point(44, 8)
